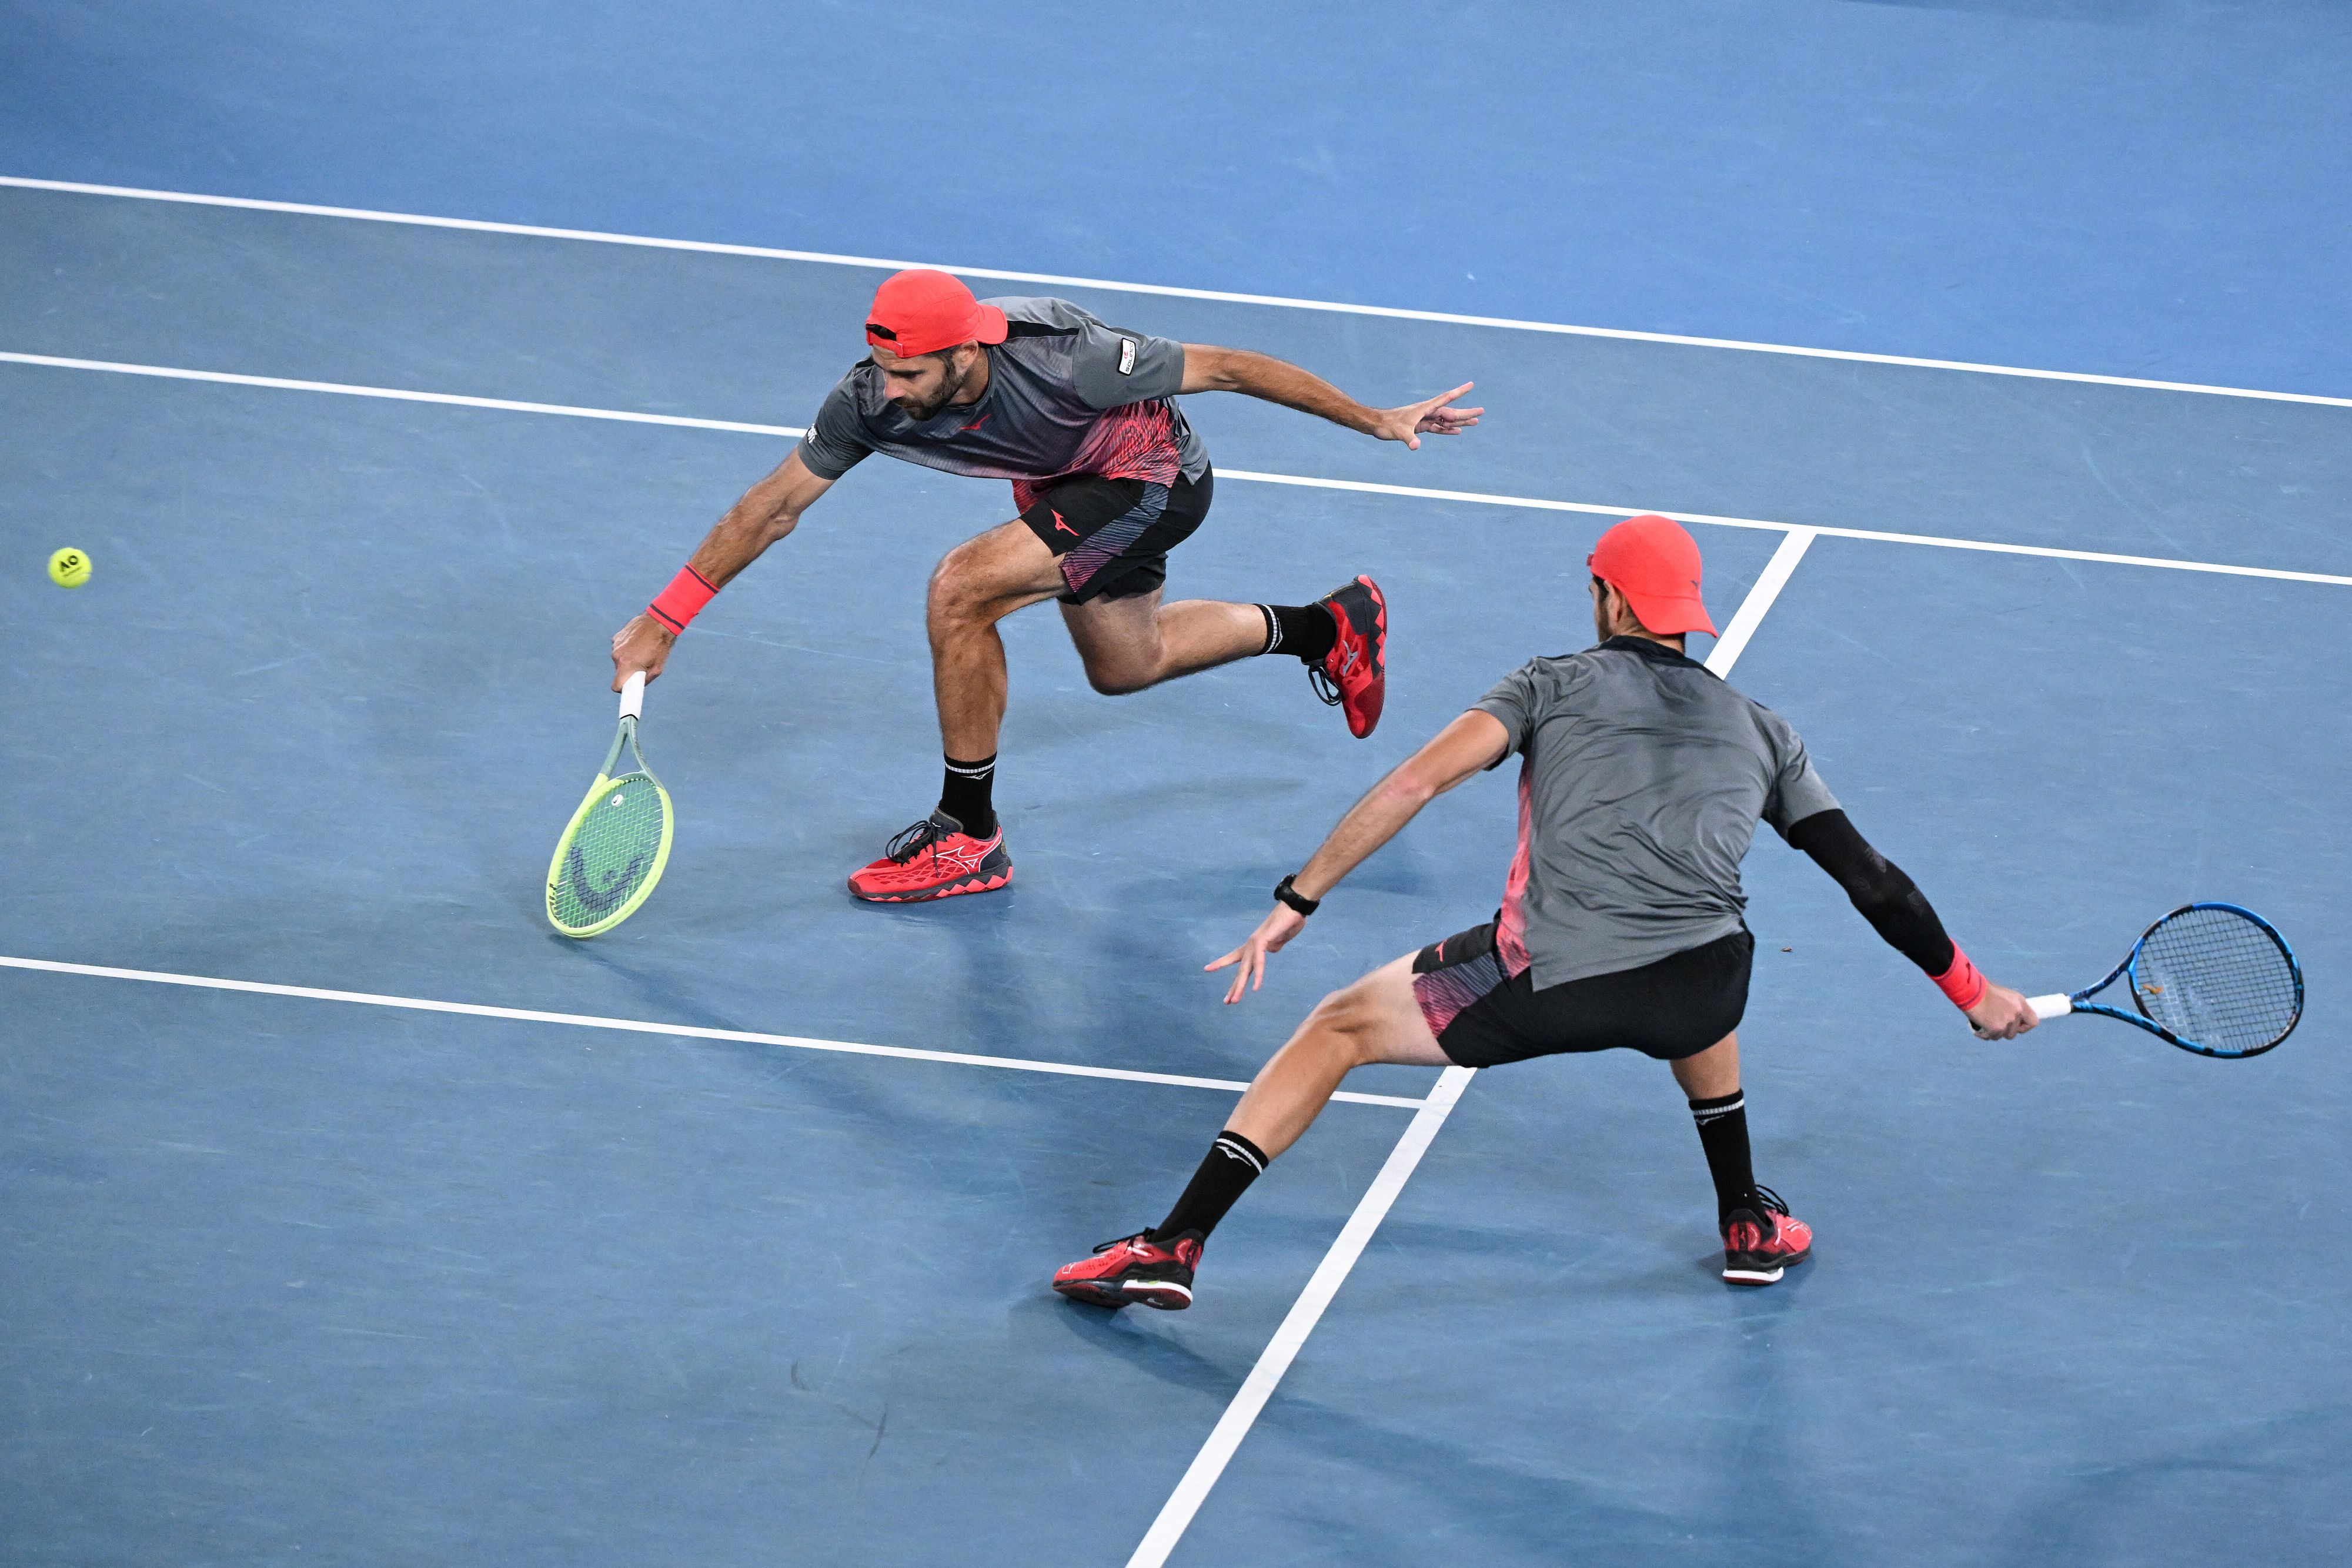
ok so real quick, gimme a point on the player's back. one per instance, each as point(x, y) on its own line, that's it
point(1642, 778)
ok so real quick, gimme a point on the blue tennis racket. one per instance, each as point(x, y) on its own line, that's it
point(2208, 977)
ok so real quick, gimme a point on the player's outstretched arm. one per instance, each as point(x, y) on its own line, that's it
point(1901, 914)
point(1210, 369)
point(1471, 744)
point(768, 511)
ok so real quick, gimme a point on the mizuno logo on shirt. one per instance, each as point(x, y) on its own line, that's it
point(1063, 527)
point(976, 423)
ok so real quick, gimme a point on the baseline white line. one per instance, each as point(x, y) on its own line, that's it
point(882, 264)
point(1177, 1513)
point(687, 1031)
point(1359, 486)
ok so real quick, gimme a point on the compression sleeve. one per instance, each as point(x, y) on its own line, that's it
point(1888, 898)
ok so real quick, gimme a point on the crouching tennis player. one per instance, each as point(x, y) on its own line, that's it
point(1642, 778)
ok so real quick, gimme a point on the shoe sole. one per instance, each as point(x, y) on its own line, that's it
point(1378, 646)
point(969, 884)
point(1165, 1294)
point(1739, 1274)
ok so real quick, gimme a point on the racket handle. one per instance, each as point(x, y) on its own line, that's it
point(2048, 1008)
point(633, 695)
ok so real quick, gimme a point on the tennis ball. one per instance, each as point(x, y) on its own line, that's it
point(69, 568)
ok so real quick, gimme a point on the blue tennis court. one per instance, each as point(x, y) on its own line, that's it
point(350, 1214)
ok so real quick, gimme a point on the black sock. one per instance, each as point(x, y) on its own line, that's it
point(1306, 631)
point(1232, 1164)
point(965, 795)
point(1723, 1134)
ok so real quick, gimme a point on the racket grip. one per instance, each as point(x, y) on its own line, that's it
point(2048, 1008)
point(633, 695)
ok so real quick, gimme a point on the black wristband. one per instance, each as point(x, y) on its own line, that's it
point(1285, 894)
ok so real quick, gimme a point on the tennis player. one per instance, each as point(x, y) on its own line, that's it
point(1108, 478)
point(1641, 780)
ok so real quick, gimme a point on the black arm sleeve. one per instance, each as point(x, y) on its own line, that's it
point(1889, 900)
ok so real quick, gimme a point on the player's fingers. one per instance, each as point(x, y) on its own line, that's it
point(1231, 958)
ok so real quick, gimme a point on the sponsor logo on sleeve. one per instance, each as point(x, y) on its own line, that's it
point(1127, 356)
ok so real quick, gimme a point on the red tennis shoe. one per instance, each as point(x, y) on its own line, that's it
point(1354, 675)
point(934, 859)
point(1762, 1241)
point(1134, 1269)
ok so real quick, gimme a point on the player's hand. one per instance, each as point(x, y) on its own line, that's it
point(2002, 1014)
point(1280, 927)
point(1415, 420)
point(643, 644)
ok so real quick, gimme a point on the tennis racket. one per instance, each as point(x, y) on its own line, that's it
point(2208, 977)
point(618, 842)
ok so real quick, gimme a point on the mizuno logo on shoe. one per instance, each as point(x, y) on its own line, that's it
point(1349, 662)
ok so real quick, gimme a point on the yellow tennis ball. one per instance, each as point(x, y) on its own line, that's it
point(69, 568)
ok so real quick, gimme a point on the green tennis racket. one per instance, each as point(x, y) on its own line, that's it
point(618, 842)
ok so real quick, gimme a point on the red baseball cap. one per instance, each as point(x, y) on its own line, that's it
point(1654, 564)
point(921, 311)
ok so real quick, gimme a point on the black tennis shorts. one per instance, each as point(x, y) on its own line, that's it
point(1112, 536)
point(1675, 1008)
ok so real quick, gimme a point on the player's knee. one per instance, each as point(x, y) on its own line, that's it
point(1349, 1021)
point(959, 589)
point(1116, 679)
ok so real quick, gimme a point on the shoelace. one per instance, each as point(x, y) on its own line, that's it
point(912, 843)
point(1325, 686)
point(1142, 1236)
point(1772, 1200)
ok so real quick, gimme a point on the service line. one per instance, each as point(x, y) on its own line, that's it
point(679, 1031)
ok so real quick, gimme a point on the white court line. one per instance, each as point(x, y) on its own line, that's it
point(1176, 1514)
point(396, 395)
point(1357, 486)
point(687, 1031)
point(881, 264)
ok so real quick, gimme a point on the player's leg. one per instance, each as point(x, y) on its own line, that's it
point(1111, 538)
point(960, 848)
point(1134, 641)
point(1760, 1237)
point(1376, 1020)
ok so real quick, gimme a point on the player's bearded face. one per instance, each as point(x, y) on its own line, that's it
point(922, 386)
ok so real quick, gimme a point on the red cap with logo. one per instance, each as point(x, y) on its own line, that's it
point(921, 311)
point(1654, 564)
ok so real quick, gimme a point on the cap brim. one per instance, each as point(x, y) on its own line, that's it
point(992, 327)
point(1670, 617)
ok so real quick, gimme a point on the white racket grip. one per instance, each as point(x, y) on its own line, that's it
point(633, 695)
point(2048, 1008)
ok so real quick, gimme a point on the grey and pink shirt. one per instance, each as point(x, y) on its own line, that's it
point(1067, 394)
point(1642, 778)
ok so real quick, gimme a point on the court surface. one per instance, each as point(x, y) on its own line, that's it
point(613, 1253)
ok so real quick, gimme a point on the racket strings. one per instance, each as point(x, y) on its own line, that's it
point(613, 852)
point(2217, 979)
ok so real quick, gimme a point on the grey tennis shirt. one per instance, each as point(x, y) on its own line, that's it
point(1067, 394)
point(1641, 780)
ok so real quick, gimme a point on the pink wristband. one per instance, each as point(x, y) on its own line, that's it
point(683, 600)
point(1962, 982)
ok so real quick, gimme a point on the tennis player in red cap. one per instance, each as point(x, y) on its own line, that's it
point(1108, 477)
point(1642, 778)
